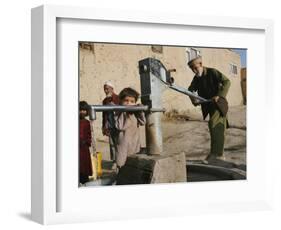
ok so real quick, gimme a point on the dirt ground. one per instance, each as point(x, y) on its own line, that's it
point(188, 133)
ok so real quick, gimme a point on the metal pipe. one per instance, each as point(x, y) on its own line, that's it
point(153, 131)
point(183, 90)
point(121, 108)
point(188, 93)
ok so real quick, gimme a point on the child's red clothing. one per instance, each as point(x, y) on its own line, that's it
point(85, 164)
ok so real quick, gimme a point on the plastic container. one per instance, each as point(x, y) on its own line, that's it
point(99, 159)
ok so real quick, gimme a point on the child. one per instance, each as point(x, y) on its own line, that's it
point(108, 127)
point(85, 164)
point(127, 123)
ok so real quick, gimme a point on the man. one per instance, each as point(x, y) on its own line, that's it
point(108, 123)
point(209, 83)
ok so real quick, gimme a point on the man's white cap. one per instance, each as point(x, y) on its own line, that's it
point(109, 83)
point(194, 60)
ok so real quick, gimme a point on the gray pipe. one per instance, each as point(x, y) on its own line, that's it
point(188, 93)
point(121, 108)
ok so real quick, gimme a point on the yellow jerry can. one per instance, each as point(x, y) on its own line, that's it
point(99, 158)
point(94, 167)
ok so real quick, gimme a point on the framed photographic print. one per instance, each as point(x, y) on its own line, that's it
point(152, 114)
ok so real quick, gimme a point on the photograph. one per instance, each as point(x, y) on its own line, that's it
point(151, 114)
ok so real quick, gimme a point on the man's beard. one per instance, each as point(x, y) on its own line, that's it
point(109, 95)
point(200, 73)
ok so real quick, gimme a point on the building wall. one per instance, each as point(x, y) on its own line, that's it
point(119, 63)
point(244, 84)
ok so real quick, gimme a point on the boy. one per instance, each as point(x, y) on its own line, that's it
point(127, 123)
point(108, 127)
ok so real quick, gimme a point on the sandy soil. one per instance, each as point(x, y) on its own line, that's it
point(188, 133)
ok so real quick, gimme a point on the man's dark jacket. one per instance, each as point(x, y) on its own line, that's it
point(211, 83)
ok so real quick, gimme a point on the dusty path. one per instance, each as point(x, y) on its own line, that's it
point(192, 136)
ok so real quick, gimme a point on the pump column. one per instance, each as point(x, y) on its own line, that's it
point(151, 95)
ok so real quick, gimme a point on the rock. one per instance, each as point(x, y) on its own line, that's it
point(151, 169)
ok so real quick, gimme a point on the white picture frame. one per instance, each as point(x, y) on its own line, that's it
point(45, 90)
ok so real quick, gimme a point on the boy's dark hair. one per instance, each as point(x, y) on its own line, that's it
point(83, 105)
point(128, 92)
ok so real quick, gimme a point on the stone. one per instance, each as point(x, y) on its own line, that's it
point(152, 169)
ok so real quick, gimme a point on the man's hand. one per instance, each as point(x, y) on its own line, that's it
point(105, 132)
point(194, 101)
point(137, 113)
point(215, 98)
